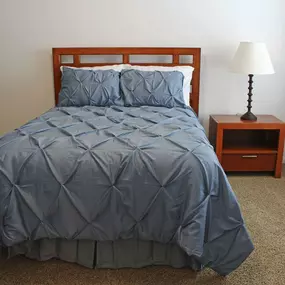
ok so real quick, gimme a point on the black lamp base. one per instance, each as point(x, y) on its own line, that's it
point(248, 116)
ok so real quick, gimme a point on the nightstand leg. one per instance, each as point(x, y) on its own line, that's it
point(278, 174)
point(219, 143)
point(278, 169)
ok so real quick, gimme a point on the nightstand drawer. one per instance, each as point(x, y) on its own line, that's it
point(249, 162)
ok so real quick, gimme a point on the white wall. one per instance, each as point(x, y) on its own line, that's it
point(30, 28)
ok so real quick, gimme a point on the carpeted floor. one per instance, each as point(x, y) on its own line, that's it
point(262, 200)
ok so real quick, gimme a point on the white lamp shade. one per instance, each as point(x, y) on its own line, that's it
point(252, 58)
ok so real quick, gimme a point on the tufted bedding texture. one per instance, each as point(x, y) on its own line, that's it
point(117, 173)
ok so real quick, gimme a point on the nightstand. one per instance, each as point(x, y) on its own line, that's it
point(248, 146)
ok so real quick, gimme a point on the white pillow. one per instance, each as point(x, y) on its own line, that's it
point(186, 70)
point(116, 67)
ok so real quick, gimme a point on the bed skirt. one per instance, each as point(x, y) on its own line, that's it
point(119, 254)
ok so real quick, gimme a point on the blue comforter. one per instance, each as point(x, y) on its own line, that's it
point(109, 173)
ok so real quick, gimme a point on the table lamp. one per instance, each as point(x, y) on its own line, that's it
point(252, 59)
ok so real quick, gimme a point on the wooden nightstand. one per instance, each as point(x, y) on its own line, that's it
point(248, 146)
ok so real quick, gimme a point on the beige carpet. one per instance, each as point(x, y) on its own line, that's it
point(262, 199)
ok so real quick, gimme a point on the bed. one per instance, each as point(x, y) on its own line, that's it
point(119, 186)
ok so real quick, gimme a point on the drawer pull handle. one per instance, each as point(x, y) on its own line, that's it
point(249, 156)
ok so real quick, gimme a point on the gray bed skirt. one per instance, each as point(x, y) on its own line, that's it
point(118, 254)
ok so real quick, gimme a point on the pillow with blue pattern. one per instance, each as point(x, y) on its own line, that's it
point(81, 87)
point(153, 88)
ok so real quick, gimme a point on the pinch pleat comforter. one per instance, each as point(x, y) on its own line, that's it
point(111, 173)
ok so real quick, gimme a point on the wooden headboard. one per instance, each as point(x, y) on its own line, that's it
point(126, 54)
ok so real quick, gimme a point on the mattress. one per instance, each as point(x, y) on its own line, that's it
point(119, 173)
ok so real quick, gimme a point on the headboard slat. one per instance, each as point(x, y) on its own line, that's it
point(76, 59)
point(125, 52)
point(126, 58)
point(176, 59)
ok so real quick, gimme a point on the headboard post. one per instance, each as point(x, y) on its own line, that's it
point(195, 95)
point(125, 52)
point(56, 74)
